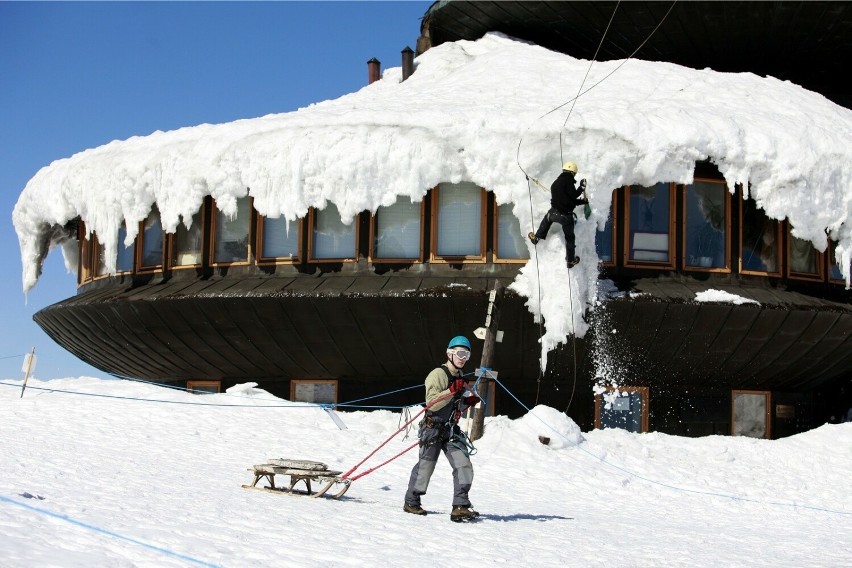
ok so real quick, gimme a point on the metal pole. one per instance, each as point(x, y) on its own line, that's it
point(492, 321)
point(27, 371)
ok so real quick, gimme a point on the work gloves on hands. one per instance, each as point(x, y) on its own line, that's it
point(471, 400)
point(458, 386)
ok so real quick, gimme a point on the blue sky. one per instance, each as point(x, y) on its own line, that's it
point(78, 75)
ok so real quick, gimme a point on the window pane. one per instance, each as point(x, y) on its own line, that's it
point(187, 243)
point(100, 269)
point(834, 268)
point(152, 240)
point(603, 240)
point(232, 234)
point(803, 256)
point(649, 223)
point(459, 219)
point(331, 238)
point(124, 262)
point(280, 238)
point(510, 240)
point(706, 215)
point(760, 239)
point(398, 230)
point(625, 412)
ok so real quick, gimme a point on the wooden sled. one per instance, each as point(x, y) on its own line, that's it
point(298, 470)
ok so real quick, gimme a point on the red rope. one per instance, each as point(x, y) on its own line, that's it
point(383, 444)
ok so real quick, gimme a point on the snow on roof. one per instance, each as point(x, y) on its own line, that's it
point(474, 111)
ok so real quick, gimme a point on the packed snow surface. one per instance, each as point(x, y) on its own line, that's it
point(152, 476)
point(723, 297)
point(482, 111)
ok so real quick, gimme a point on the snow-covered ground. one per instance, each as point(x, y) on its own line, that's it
point(147, 476)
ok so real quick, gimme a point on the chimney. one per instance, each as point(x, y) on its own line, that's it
point(374, 71)
point(407, 63)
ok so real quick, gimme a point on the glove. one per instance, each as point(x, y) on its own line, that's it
point(458, 386)
point(582, 202)
point(471, 400)
point(583, 183)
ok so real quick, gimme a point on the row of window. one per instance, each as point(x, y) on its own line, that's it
point(458, 220)
point(650, 222)
point(751, 411)
point(458, 229)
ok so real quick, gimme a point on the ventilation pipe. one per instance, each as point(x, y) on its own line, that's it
point(407, 62)
point(374, 70)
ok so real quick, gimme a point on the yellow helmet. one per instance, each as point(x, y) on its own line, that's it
point(570, 167)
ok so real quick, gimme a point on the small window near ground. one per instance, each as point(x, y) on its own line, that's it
point(760, 244)
point(319, 391)
point(511, 242)
point(650, 225)
point(187, 243)
point(707, 217)
point(458, 227)
point(280, 239)
point(397, 232)
point(231, 234)
point(625, 407)
point(750, 413)
point(204, 387)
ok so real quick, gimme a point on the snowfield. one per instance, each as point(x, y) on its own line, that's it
point(141, 475)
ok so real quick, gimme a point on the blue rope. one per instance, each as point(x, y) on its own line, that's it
point(673, 487)
point(106, 532)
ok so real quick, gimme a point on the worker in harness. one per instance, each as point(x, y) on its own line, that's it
point(564, 197)
point(437, 430)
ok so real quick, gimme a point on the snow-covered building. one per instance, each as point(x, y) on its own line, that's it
point(328, 253)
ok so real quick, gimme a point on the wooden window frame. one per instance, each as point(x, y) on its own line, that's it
point(191, 384)
point(169, 245)
point(496, 258)
point(381, 260)
point(614, 229)
point(296, 382)
point(312, 213)
point(434, 257)
point(276, 260)
point(214, 213)
point(778, 237)
point(646, 403)
point(140, 246)
point(651, 264)
point(820, 276)
point(768, 412)
point(683, 235)
point(85, 273)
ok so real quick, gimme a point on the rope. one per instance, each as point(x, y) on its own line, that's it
point(667, 485)
point(383, 444)
point(73, 521)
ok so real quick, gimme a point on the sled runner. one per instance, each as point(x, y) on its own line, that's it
point(298, 470)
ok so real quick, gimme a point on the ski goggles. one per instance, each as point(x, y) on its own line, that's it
point(462, 354)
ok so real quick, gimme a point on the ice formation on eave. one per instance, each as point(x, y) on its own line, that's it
point(473, 111)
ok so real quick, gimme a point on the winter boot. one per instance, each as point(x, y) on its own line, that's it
point(462, 513)
point(533, 238)
point(574, 262)
point(414, 509)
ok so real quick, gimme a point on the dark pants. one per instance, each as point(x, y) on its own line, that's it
point(425, 466)
point(567, 222)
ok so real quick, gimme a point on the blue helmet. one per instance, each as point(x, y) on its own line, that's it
point(459, 341)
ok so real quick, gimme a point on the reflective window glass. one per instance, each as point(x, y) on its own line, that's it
point(124, 261)
point(706, 225)
point(231, 237)
point(152, 240)
point(332, 239)
point(398, 231)
point(459, 222)
point(649, 223)
point(280, 238)
point(187, 243)
point(761, 249)
point(511, 242)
